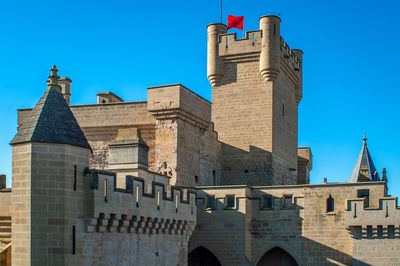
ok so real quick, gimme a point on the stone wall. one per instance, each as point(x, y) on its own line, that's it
point(5, 202)
point(296, 220)
point(242, 114)
point(21, 208)
point(284, 128)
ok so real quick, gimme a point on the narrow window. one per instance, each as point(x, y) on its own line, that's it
point(283, 109)
point(196, 178)
point(210, 202)
point(390, 231)
point(158, 200)
point(369, 231)
point(74, 177)
point(355, 210)
point(330, 204)
point(253, 39)
point(274, 29)
point(137, 195)
point(105, 190)
point(176, 203)
point(213, 177)
point(267, 202)
point(73, 240)
point(226, 44)
point(364, 193)
point(387, 209)
point(229, 201)
point(379, 231)
point(287, 201)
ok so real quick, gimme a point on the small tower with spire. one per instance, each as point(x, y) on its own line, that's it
point(364, 170)
point(49, 154)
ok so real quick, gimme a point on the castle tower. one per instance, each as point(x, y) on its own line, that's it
point(50, 153)
point(256, 88)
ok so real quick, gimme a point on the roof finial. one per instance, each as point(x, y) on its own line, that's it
point(365, 139)
point(53, 78)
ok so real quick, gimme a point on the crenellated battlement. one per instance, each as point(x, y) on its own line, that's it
point(290, 57)
point(230, 47)
point(140, 207)
point(387, 212)
point(264, 45)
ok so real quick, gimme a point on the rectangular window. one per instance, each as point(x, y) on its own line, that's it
point(379, 231)
point(287, 201)
point(364, 193)
point(73, 240)
point(369, 231)
point(74, 177)
point(230, 201)
point(390, 231)
point(267, 202)
point(210, 202)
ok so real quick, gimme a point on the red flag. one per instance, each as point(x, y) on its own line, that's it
point(235, 22)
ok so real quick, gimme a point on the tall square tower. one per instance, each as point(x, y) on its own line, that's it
point(256, 88)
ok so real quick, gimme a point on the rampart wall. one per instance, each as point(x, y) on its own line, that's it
point(294, 218)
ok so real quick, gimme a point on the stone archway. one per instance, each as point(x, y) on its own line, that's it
point(277, 257)
point(202, 256)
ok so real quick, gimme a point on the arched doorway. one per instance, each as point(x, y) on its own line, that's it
point(202, 257)
point(277, 257)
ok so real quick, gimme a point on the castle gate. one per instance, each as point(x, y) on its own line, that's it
point(277, 257)
point(202, 256)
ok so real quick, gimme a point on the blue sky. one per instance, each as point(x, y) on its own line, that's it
point(351, 63)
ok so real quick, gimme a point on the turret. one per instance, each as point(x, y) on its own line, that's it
point(270, 50)
point(50, 153)
point(299, 83)
point(215, 64)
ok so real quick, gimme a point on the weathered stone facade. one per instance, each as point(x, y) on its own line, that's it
point(161, 183)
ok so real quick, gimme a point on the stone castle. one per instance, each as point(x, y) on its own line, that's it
point(176, 180)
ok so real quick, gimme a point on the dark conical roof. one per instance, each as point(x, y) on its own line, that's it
point(51, 121)
point(364, 170)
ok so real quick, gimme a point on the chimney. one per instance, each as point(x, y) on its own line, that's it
point(128, 150)
point(65, 84)
point(3, 181)
point(384, 177)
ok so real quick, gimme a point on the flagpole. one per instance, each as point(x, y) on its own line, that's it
point(243, 28)
point(220, 9)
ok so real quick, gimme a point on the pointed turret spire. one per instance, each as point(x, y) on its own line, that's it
point(364, 170)
point(51, 120)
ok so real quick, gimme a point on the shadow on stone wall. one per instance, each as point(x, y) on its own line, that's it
point(230, 74)
point(253, 167)
point(244, 234)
